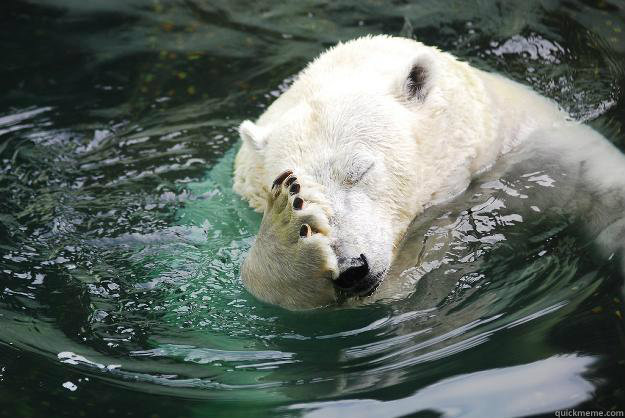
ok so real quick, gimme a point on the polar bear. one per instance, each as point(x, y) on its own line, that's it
point(371, 133)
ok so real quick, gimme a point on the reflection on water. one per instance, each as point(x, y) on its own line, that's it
point(539, 387)
point(121, 238)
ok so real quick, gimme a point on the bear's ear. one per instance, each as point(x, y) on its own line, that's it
point(416, 84)
point(252, 135)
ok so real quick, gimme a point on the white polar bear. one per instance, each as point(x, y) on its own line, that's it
point(370, 134)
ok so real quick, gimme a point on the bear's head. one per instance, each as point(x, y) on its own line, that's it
point(367, 136)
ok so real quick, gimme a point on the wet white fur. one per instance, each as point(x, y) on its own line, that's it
point(348, 111)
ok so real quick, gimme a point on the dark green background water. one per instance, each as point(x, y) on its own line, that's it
point(120, 236)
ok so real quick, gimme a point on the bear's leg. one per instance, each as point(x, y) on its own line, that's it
point(293, 246)
point(290, 205)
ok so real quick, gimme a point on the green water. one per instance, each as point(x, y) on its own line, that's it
point(121, 238)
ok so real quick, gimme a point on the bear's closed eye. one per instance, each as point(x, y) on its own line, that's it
point(358, 170)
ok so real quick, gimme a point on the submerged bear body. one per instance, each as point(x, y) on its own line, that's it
point(371, 134)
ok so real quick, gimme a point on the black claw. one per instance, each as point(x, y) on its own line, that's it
point(294, 188)
point(298, 203)
point(304, 231)
point(278, 181)
point(290, 181)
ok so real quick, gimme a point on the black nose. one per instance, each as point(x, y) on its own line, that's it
point(356, 271)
